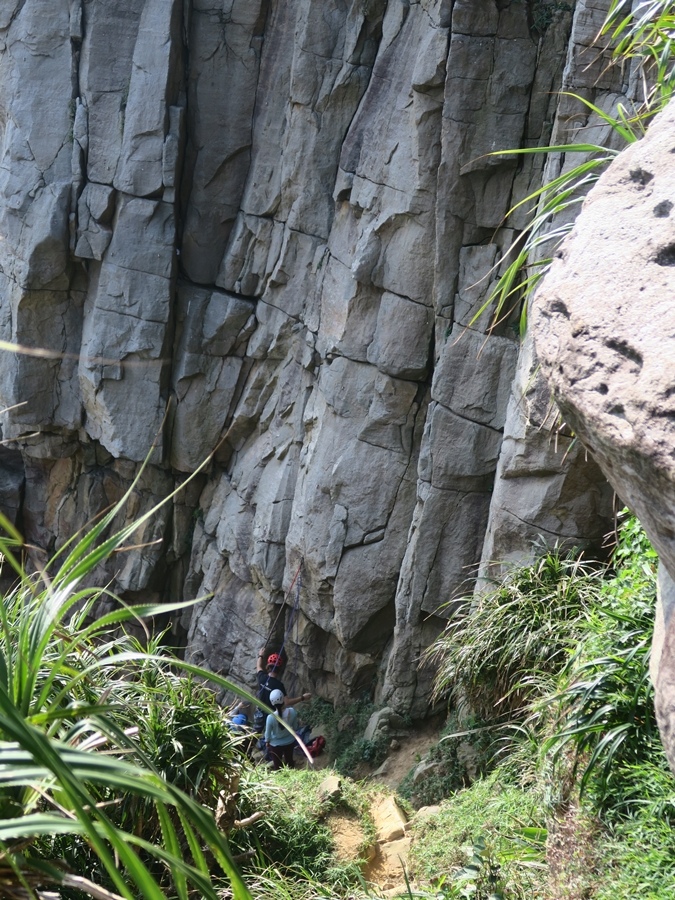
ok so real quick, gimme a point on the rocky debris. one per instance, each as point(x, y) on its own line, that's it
point(389, 819)
point(426, 812)
point(382, 769)
point(330, 789)
point(346, 723)
point(387, 866)
point(468, 758)
point(385, 860)
point(425, 769)
point(378, 724)
point(382, 723)
point(263, 231)
point(604, 328)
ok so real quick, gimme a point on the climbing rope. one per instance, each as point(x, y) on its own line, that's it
point(293, 619)
point(289, 622)
point(297, 583)
point(283, 603)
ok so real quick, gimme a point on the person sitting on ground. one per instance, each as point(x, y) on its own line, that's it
point(279, 740)
point(240, 715)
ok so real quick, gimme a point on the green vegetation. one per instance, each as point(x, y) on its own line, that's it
point(81, 773)
point(580, 800)
point(603, 704)
point(343, 727)
point(294, 835)
point(559, 791)
point(495, 656)
point(119, 775)
point(644, 35)
point(495, 818)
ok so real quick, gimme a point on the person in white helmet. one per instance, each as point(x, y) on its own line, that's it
point(279, 740)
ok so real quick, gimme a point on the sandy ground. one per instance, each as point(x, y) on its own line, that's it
point(347, 834)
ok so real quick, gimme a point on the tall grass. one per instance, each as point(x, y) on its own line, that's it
point(603, 702)
point(583, 755)
point(493, 658)
point(643, 32)
point(560, 649)
point(77, 759)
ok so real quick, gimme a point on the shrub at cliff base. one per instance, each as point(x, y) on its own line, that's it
point(344, 726)
point(95, 795)
point(581, 804)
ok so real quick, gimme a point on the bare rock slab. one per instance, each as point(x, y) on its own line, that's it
point(389, 820)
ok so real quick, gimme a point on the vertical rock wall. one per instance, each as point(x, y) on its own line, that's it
point(267, 226)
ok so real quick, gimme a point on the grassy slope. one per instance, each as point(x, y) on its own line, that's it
point(576, 800)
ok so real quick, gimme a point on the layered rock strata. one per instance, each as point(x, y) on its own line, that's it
point(265, 228)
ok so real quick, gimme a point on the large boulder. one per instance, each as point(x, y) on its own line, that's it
point(604, 327)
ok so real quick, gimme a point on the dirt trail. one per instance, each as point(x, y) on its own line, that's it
point(412, 748)
point(389, 855)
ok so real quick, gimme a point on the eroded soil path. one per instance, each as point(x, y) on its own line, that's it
point(388, 856)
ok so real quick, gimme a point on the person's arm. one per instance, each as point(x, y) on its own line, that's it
point(260, 665)
point(268, 729)
point(291, 701)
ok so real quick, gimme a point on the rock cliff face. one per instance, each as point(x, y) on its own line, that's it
point(266, 227)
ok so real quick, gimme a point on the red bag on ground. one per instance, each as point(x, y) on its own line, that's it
point(315, 746)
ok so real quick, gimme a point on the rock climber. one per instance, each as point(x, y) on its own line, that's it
point(280, 742)
point(268, 668)
point(267, 673)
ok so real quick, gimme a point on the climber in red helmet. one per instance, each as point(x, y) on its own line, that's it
point(267, 670)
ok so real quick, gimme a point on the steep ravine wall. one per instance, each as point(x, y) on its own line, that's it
point(272, 222)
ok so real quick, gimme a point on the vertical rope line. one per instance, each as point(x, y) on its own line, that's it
point(295, 620)
point(292, 618)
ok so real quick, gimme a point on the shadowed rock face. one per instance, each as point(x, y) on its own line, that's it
point(267, 226)
point(605, 333)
